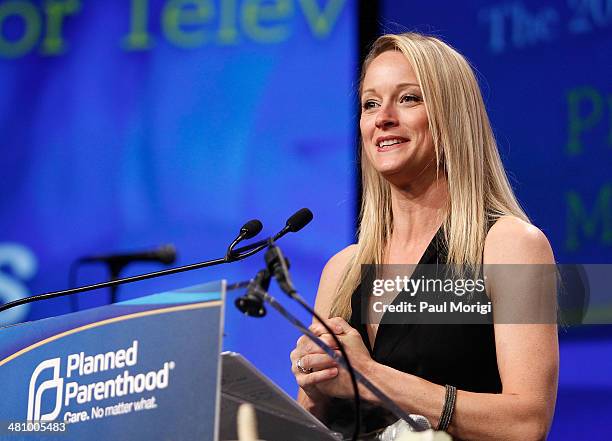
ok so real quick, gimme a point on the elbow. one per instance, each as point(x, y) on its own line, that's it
point(533, 428)
point(536, 432)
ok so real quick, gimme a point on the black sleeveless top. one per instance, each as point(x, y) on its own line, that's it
point(462, 355)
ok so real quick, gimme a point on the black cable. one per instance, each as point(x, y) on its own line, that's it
point(279, 267)
point(388, 402)
point(357, 400)
point(72, 282)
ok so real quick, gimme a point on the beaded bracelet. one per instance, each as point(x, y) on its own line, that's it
point(449, 407)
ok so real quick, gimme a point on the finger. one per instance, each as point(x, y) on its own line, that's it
point(305, 380)
point(312, 362)
point(303, 346)
point(304, 349)
point(318, 329)
point(306, 346)
point(295, 354)
point(317, 362)
point(339, 325)
point(302, 341)
point(327, 339)
point(313, 348)
point(336, 325)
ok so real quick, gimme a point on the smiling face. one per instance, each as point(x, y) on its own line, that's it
point(394, 125)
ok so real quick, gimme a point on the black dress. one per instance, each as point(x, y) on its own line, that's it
point(462, 355)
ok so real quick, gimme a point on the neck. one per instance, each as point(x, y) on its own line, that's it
point(418, 207)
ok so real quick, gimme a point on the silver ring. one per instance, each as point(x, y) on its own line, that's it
point(301, 368)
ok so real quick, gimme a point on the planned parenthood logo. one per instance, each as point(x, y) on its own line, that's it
point(35, 394)
point(49, 392)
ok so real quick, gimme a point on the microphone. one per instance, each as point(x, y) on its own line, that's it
point(295, 223)
point(248, 231)
point(299, 220)
point(251, 229)
point(165, 254)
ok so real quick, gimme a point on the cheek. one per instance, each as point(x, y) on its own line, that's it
point(423, 123)
point(420, 126)
point(365, 127)
point(425, 143)
point(416, 119)
point(366, 153)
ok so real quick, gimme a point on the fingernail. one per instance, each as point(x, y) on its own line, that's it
point(338, 328)
point(333, 372)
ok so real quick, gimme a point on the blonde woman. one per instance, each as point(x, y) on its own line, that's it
point(434, 190)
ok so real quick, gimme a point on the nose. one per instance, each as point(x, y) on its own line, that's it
point(386, 117)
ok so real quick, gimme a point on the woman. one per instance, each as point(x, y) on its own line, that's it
point(434, 189)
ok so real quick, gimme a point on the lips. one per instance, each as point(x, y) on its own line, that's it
point(386, 143)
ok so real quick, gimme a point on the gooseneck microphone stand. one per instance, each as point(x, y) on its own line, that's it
point(295, 223)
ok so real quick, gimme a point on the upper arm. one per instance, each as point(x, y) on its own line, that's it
point(523, 279)
point(330, 278)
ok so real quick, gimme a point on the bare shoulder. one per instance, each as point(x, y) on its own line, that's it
point(512, 240)
point(339, 260)
point(330, 278)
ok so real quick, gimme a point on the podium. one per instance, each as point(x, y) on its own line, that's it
point(143, 369)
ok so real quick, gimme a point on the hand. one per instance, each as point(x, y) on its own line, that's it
point(340, 385)
point(312, 358)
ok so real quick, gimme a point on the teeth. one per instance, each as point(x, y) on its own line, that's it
point(388, 142)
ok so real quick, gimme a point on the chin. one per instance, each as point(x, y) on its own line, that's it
point(399, 174)
point(388, 167)
point(391, 173)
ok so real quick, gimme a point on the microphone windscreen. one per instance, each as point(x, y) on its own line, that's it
point(251, 228)
point(299, 220)
point(166, 254)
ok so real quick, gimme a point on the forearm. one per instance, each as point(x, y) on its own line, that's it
point(477, 416)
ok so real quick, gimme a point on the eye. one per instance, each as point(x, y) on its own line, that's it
point(410, 99)
point(369, 104)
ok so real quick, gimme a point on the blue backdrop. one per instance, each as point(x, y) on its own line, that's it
point(128, 124)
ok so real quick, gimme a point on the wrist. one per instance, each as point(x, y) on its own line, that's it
point(313, 401)
point(371, 371)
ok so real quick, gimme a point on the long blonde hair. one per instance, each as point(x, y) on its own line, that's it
point(466, 151)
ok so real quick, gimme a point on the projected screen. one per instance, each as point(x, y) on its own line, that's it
point(130, 124)
point(544, 69)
